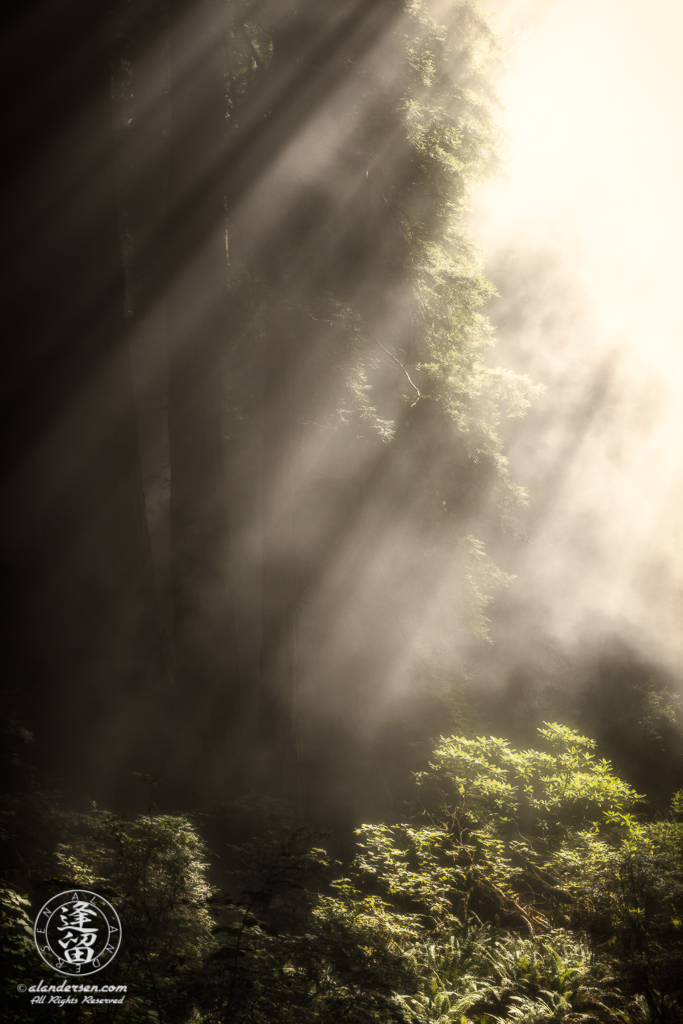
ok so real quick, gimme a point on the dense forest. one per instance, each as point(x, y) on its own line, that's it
point(274, 686)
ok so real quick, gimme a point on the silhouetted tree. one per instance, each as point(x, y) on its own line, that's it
point(80, 633)
point(199, 334)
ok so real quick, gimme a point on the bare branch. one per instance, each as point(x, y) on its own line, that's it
point(399, 363)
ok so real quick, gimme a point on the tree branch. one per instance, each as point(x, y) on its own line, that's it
point(399, 363)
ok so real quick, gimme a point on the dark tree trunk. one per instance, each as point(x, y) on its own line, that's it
point(198, 334)
point(79, 633)
point(306, 67)
point(279, 716)
point(141, 134)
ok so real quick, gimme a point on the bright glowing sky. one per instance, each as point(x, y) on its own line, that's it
point(594, 110)
point(594, 97)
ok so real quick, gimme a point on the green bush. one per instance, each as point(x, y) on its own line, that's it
point(527, 887)
point(153, 869)
point(474, 911)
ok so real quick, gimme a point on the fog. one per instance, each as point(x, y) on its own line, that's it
point(582, 236)
point(278, 549)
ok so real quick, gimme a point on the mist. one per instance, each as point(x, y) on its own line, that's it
point(582, 238)
point(318, 494)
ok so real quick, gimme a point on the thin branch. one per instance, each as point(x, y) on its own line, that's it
point(399, 363)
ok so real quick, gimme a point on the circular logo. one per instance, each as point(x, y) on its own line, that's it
point(77, 932)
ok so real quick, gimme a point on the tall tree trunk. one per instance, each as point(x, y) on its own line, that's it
point(304, 71)
point(198, 333)
point(76, 570)
point(279, 697)
point(141, 134)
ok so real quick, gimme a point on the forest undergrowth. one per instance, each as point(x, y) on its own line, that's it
point(524, 885)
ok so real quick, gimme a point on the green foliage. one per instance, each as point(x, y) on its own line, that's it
point(522, 827)
point(387, 290)
point(153, 870)
point(661, 708)
point(634, 914)
point(279, 958)
point(396, 939)
point(526, 889)
point(17, 950)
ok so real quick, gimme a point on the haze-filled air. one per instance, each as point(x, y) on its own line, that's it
point(340, 534)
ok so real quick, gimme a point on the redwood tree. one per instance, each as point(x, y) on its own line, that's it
point(79, 634)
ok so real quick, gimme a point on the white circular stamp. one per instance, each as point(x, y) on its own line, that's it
point(77, 932)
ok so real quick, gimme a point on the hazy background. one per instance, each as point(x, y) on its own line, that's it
point(260, 546)
point(582, 237)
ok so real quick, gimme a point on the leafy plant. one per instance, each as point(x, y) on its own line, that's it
point(526, 888)
point(153, 870)
point(17, 951)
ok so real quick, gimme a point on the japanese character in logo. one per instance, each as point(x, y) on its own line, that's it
point(77, 932)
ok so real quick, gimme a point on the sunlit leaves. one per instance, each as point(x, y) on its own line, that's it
point(510, 896)
point(153, 869)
